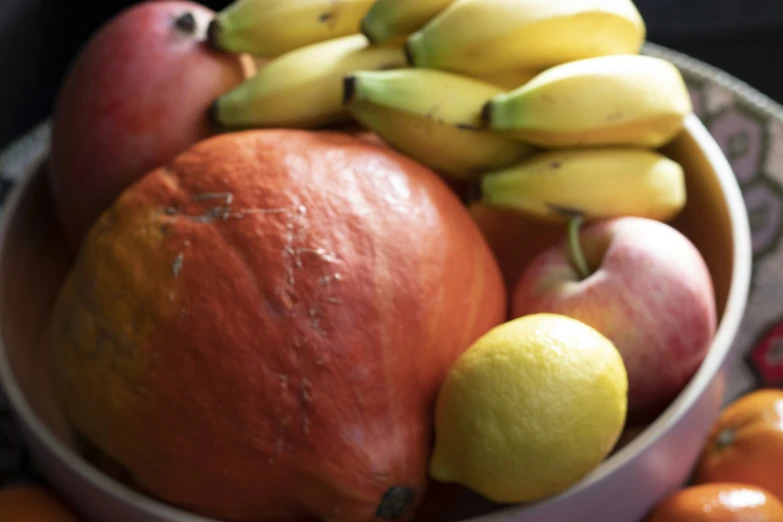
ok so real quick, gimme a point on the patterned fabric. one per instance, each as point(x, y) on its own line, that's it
point(748, 127)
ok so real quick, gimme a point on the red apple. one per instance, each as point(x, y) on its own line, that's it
point(647, 288)
point(135, 96)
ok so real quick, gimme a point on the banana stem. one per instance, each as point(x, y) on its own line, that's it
point(577, 256)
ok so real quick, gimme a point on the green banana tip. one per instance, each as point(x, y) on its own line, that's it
point(366, 30)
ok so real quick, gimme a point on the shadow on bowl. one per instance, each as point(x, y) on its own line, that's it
point(33, 264)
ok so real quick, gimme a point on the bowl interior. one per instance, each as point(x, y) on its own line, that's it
point(34, 262)
point(707, 217)
point(33, 265)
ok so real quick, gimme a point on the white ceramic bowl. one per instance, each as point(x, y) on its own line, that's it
point(622, 489)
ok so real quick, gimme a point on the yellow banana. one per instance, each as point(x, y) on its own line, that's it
point(596, 183)
point(610, 100)
point(433, 117)
point(303, 88)
point(486, 36)
point(269, 28)
point(389, 19)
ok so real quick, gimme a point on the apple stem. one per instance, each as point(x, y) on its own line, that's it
point(578, 258)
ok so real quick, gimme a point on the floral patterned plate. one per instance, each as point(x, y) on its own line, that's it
point(746, 124)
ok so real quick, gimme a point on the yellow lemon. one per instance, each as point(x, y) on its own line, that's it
point(531, 408)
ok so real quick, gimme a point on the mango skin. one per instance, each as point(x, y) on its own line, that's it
point(258, 330)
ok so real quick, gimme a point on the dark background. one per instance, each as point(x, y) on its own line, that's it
point(39, 38)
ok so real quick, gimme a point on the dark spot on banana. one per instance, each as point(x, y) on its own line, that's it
point(325, 17)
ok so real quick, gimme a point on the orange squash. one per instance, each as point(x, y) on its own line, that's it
point(746, 443)
point(719, 502)
point(258, 330)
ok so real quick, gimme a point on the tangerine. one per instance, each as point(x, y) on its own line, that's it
point(746, 443)
point(719, 502)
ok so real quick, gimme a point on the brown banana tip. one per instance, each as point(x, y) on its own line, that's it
point(409, 53)
point(349, 88)
point(186, 23)
point(213, 33)
point(213, 112)
point(473, 192)
point(486, 114)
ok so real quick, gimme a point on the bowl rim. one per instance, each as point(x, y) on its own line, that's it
point(719, 351)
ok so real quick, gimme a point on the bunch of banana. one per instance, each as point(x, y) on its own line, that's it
point(269, 28)
point(432, 116)
point(547, 101)
point(302, 88)
point(610, 100)
point(594, 183)
point(603, 117)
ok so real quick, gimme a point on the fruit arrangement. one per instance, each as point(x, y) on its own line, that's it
point(331, 257)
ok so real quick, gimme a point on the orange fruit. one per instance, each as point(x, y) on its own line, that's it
point(515, 239)
point(719, 502)
point(31, 503)
point(746, 443)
